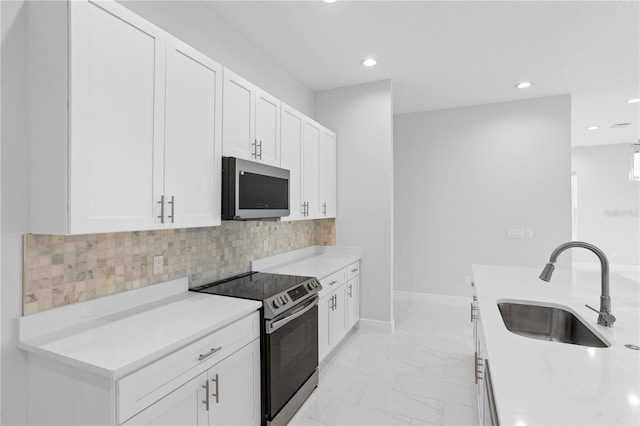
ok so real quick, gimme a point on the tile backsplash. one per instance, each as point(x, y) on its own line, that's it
point(60, 270)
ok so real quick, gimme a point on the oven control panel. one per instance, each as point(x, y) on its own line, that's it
point(287, 299)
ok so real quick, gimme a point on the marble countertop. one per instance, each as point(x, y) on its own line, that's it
point(115, 335)
point(314, 261)
point(539, 382)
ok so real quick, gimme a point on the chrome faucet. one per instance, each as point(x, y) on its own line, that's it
point(605, 317)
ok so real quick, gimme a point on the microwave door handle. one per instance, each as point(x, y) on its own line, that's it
point(275, 325)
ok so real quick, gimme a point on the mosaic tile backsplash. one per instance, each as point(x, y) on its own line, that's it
point(60, 270)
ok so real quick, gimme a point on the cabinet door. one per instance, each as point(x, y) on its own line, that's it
point(238, 117)
point(193, 144)
point(267, 128)
point(234, 388)
point(310, 167)
point(117, 64)
point(353, 302)
point(327, 170)
point(184, 406)
point(291, 126)
point(338, 320)
point(324, 312)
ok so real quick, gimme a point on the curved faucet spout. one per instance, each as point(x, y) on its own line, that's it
point(605, 317)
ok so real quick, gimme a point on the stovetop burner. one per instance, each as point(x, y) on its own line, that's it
point(277, 292)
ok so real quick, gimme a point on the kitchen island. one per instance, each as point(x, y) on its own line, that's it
point(538, 382)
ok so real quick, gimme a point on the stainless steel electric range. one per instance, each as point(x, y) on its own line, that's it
point(289, 337)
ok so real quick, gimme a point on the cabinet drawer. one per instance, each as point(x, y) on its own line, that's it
point(353, 270)
point(334, 280)
point(143, 387)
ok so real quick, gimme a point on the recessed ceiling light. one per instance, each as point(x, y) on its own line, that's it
point(633, 101)
point(329, 1)
point(369, 62)
point(523, 85)
point(593, 127)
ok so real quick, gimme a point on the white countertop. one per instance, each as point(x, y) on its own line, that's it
point(538, 382)
point(315, 261)
point(119, 339)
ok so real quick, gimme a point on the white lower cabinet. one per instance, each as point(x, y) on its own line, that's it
point(339, 308)
point(484, 389)
point(226, 394)
point(184, 406)
point(353, 301)
point(234, 388)
point(213, 380)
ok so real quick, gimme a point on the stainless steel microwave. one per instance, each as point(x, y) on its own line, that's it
point(253, 190)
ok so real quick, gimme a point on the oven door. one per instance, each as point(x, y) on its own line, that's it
point(291, 353)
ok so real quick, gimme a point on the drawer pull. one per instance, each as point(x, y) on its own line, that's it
point(354, 270)
point(208, 354)
point(333, 282)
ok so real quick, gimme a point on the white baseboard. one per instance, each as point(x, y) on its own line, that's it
point(441, 299)
point(377, 326)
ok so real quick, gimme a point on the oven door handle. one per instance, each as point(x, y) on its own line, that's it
point(272, 326)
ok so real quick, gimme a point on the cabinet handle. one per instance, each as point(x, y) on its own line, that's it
point(350, 290)
point(307, 209)
point(161, 202)
point(473, 308)
point(478, 365)
point(254, 148)
point(260, 157)
point(324, 209)
point(206, 401)
point(354, 270)
point(333, 282)
point(208, 354)
point(336, 296)
point(217, 394)
point(475, 366)
point(173, 205)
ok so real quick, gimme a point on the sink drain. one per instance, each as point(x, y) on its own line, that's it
point(634, 347)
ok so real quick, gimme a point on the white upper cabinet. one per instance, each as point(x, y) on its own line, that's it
point(310, 169)
point(251, 121)
point(139, 146)
point(238, 117)
point(267, 128)
point(193, 138)
point(291, 125)
point(116, 110)
point(327, 185)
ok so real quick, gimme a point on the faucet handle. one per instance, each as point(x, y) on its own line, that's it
point(605, 318)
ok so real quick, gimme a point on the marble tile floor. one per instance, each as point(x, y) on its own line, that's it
point(421, 374)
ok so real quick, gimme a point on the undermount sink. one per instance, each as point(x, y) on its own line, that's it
point(546, 322)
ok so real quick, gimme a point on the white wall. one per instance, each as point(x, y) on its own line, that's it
point(198, 26)
point(465, 175)
point(14, 207)
point(608, 205)
point(362, 117)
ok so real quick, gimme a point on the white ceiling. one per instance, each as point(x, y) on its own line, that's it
point(447, 54)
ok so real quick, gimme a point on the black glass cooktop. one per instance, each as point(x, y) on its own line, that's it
point(254, 285)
